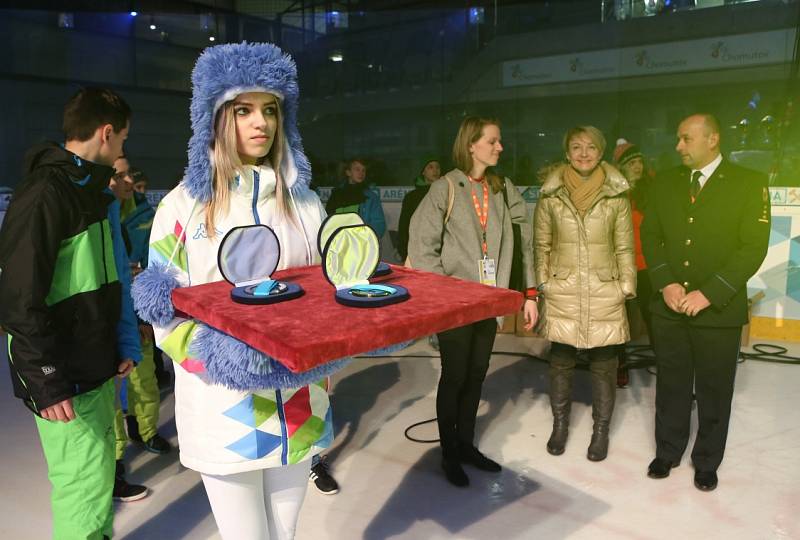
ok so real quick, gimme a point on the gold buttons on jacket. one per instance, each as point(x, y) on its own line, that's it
point(688, 241)
point(685, 284)
point(691, 220)
point(685, 263)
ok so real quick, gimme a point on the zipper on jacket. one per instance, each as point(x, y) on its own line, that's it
point(103, 249)
point(284, 434)
point(256, 181)
point(17, 373)
point(578, 219)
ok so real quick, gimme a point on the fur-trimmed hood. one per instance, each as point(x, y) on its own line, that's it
point(614, 184)
point(221, 73)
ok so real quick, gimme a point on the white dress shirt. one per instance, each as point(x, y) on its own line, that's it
point(708, 170)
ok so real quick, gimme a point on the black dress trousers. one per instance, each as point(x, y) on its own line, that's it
point(699, 360)
point(465, 353)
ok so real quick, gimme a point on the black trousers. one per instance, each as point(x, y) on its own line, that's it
point(644, 294)
point(699, 360)
point(465, 353)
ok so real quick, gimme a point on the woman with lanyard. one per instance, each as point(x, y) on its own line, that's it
point(463, 228)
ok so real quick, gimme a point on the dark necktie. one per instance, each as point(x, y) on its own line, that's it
point(694, 187)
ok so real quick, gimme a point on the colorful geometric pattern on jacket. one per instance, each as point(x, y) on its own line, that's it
point(299, 420)
point(164, 249)
point(176, 345)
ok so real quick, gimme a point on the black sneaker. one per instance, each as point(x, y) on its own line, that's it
point(157, 445)
point(322, 478)
point(125, 492)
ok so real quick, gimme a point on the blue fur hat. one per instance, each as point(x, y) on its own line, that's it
point(223, 72)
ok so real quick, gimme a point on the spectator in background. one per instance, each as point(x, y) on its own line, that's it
point(5, 199)
point(356, 196)
point(430, 172)
point(137, 221)
point(630, 162)
point(140, 182)
point(140, 398)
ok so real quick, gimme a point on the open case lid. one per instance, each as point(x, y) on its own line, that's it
point(248, 255)
point(333, 222)
point(350, 256)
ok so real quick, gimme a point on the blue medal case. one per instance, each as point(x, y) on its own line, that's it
point(247, 257)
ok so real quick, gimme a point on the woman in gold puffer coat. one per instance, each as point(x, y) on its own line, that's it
point(584, 263)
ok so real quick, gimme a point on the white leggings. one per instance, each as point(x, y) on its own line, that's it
point(258, 505)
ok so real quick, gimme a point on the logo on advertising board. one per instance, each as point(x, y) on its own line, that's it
point(644, 60)
point(784, 196)
point(574, 64)
point(721, 52)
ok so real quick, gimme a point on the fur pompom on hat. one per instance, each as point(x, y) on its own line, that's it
point(625, 151)
point(221, 73)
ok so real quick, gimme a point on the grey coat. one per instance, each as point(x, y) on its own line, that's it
point(586, 265)
point(453, 249)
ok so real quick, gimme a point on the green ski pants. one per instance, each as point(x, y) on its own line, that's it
point(80, 466)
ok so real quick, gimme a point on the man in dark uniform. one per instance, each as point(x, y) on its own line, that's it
point(705, 234)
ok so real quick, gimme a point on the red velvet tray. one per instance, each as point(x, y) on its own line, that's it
point(314, 329)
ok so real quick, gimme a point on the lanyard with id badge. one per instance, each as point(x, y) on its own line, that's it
point(487, 269)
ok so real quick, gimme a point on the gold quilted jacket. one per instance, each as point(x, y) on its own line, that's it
point(586, 265)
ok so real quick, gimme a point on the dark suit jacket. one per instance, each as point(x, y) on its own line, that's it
point(714, 245)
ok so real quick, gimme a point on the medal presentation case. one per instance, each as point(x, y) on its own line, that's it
point(345, 219)
point(349, 257)
point(247, 257)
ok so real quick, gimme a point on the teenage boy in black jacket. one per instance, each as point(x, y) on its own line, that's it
point(60, 302)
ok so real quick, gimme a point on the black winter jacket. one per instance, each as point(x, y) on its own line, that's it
point(59, 291)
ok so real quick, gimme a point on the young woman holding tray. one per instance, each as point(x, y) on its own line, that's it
point(245, 423)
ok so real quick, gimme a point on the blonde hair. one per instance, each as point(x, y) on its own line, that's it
point(470, 132)
point(226, 164)
point(594, 134)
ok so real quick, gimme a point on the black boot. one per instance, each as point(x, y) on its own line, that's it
point(604, 379)
point(471, 455)
point(562, 366)
point(452, 467)
point(623, 376)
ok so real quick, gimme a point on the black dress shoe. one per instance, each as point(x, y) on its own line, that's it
point(473, 456)
point(659, 468)
point(454, 473)
point(705, 480)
